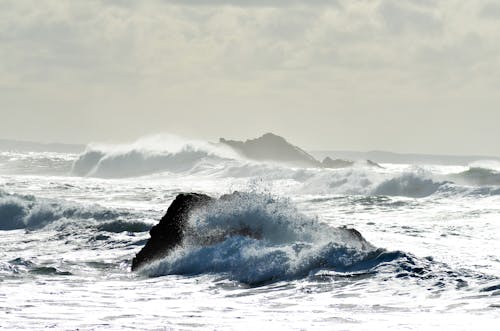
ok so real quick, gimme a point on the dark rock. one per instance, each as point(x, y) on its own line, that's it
point(168, 233)
point(374, 164)
point(271, 147)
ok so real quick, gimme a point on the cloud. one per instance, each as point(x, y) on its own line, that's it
point(401, 17)
point(110, 58)
point(491, 11)
point(254, 3)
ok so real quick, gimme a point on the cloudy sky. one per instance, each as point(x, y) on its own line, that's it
point(399, 75)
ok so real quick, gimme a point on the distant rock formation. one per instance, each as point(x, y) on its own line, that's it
point(169, 232)
point(271, 147)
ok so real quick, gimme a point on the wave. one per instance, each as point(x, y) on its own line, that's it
point(409, 185)
point(255, 238)
point(413, 183)
point(478, 176)
point(40, 163)
point(146, 156)
point(117, 226)
point(28, 212)
point(177, 156)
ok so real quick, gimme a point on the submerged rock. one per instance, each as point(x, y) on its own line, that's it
point(168, 233)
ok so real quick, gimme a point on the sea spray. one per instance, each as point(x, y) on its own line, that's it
point(256, 238)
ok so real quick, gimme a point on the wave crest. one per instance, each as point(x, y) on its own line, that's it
point(27, 212)
point(147, 156)
point(409, 185)
point(478, 176)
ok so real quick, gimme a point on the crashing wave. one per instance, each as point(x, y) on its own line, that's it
point(364, 181)
point(28, 212)
point(255, 238)
point(478, 176)
point(147, 156)
point(409, 185)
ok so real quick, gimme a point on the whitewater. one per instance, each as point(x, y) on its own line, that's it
point(425, 252)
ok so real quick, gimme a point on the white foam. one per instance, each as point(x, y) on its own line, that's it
point(255, 238)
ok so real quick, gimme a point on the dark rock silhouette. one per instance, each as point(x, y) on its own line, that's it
point(168, 233)
point(374, 164)
point(271, 147)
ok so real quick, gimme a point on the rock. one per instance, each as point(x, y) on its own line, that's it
point(271, 147)
point(374, 164)
point(168, 233)
point(328, 162)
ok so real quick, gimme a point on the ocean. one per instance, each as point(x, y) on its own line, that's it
point(70, 224)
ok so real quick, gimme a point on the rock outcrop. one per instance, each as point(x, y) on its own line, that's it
point(271, 147)
point(168, 233)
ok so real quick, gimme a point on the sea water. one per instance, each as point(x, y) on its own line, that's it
point(70, 224)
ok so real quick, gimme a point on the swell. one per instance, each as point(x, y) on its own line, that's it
point(148, 156)
point(478, 176)
point(40, 163)
point(32, 213)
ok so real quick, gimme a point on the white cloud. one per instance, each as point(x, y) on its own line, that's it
point(194, 54)
point(491, 11)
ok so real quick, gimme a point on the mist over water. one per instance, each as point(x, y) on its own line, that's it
point(408, 246)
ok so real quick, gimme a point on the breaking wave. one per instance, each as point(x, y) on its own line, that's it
point(408, 185)
point(147, 156)
point(255, 238)
point(28, 212)
point(478, 176)
point(177, 156)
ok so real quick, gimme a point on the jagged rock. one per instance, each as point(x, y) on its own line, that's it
point(168, 233)
point(271, 147)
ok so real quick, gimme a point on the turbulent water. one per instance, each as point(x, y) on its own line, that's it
point(428, 257)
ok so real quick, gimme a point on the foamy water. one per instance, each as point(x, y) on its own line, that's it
point(70, 224)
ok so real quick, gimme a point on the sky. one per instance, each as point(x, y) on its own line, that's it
point(400, 75)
